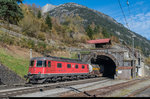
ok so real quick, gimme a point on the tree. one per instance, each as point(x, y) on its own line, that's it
point(96, 29)
point(89, 32)
point(39, 14)
point(105, 33)
point(48, 21)
point(10, 11)
point(19, 1)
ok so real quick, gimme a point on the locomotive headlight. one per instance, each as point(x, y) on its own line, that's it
point(90, 68)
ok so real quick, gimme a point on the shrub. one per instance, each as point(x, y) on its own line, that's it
point(41, 36)
point(41, 46)
point(84, 39)
point(31, 44)
point(5, 38)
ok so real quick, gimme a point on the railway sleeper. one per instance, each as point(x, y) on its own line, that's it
point(64, 78)
point(74, 77)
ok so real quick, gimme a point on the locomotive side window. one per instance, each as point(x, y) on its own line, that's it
point(32, 63)
point(59, 65)
point(76, 66)
point(39, 63)
point(49, 63)
point(44, 63)
point(83, 67)
point(68, 65)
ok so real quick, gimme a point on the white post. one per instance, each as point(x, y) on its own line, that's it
point(30, 53)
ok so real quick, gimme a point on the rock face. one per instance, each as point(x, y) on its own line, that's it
point(90, 16)
point(9, 77)
point(47, 7)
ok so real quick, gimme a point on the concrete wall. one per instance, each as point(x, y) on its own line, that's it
point(141, 70)
point(147, 71)
point(127, 63)
point(124, 74)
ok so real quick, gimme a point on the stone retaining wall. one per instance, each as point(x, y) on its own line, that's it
point(9, 77)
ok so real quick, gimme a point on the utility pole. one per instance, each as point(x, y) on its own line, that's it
point(133, 72)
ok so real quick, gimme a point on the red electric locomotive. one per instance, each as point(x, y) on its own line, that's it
point(47, 69)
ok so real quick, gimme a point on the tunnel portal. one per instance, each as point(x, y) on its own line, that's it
point(107, 65)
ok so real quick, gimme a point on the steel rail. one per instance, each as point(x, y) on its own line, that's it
point(35, 88)
point(99, 92)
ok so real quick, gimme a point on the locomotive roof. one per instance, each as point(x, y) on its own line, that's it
point(58, 59)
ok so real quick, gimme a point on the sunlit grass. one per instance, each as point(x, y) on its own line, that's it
point(16, 63)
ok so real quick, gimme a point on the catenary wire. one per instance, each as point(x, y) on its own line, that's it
point(123, 13)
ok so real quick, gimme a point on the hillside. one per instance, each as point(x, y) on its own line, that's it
point(90, 16)
point(16, 58)
point(67, 28)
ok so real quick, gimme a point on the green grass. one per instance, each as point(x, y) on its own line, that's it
point(74, 56)
point(16, 63)
point(85, 52)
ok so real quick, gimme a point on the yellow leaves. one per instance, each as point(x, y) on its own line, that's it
point(69, 31)
point(41, 35)
point(147, 61)
point(115, 39)
point(84, 38)
point(98, 36)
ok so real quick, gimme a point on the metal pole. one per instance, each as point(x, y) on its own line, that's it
point(30, 53)
point(133, 56)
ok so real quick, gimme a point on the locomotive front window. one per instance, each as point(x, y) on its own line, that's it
point(83, 67)
point(32, 63)
point(39, 63)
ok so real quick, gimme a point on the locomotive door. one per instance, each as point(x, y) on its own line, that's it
point(49, 67)
point(60, 67)
point(39, 67)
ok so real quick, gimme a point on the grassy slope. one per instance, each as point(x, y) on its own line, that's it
point(16, 63)
point(17, 58)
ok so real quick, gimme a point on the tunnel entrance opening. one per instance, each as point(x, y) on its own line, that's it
point(107, 65)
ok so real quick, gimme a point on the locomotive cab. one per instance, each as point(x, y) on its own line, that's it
point(37, 66)
point(36, 69)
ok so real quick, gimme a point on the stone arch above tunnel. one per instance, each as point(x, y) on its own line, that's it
point(108, 55)
point(107, 63)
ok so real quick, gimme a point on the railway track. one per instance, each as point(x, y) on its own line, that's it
point(25, 89)
point(29, 85)
point(100, 92)
point(139, 91)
